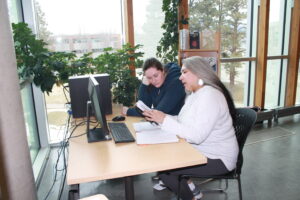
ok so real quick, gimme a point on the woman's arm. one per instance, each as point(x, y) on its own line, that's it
point(202, 118)
point(144, 96)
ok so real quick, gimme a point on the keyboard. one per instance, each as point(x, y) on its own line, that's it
point(120, 132)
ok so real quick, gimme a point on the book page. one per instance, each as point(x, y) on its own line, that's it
point(142, 126)
point(142, 106)
point(156, 136)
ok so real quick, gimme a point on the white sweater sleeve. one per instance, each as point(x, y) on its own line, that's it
point(198, 120)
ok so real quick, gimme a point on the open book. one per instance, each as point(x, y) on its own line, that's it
point(147, 133)
point(141, 107)
point(140, 104)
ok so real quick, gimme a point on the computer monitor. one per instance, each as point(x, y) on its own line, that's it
point(78, 87)
point(94, 104)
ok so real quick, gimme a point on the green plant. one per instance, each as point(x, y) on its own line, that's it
point(167, 49)
point(116, 64)
point(30, 53)
point(46, 68)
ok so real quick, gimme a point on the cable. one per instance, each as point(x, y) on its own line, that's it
point(66, 142)
point(60, 151)
point(64, 91)
point(69, 131)
point(78, 135)
point(62, 188)
point(55, 176)
point(72, 134)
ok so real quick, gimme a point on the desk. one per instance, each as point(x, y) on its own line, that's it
point(90, 162)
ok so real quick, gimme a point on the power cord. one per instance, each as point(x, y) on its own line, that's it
point(60, 152)
point(64, 91)
point(68, 134)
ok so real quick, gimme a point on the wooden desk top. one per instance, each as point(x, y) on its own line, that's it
point(106, 160)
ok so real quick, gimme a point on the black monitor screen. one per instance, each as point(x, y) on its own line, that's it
point(95, 100)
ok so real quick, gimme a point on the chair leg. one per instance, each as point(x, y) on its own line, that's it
point(240, 188)
point(226, 185)
point(178, 192)
point(220, 189)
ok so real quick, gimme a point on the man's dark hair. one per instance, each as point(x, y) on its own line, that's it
point(152, 62)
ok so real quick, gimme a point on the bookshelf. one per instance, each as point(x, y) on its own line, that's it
point(209, 47)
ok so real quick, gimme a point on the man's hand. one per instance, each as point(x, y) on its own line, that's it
point(124, 110)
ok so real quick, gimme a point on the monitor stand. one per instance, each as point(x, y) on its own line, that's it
point(94, 134)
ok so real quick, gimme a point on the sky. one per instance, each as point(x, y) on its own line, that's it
point(98, 16)
point(78, 16)
point(88, 16)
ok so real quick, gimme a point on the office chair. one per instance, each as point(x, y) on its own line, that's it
point(245, 119)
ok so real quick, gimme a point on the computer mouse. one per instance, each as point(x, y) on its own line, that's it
point(118, 118)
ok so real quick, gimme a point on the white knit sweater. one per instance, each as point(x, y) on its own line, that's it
point(205, 122)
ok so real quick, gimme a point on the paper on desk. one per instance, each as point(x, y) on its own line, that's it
point(155, 137)
point(143, 126)
point(146, 133)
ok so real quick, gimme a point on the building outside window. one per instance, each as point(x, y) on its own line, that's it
point(80, 27)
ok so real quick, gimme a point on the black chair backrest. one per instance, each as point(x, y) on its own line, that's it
point(245, 119)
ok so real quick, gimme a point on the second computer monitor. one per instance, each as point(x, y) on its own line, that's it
point(94, 104)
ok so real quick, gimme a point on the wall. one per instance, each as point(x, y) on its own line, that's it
point(16, 176)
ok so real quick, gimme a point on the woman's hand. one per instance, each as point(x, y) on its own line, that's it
point(154, 115)
point(145, 81)
point(124, 110)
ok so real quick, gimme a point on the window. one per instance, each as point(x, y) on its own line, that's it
point(80, 27)
point(14, 11)
point(273, 83)
point(235, 84)
point(279, 20)
point(148, 18)
point(79, 22)
point(236, 22)
point(26, 94)
point(30, 121)
point(278, 42)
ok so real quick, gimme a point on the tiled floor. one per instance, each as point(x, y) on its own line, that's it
point(271, 170)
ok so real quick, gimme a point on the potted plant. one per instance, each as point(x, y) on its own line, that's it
point(116, 64)
point(45, 68)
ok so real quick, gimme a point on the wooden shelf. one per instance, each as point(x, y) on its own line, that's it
point(209, 40)
point(199, 50)
point(210, 50)
point(214, 53)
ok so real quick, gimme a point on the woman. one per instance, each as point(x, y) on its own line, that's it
point(161, 88)
point(206, 121)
